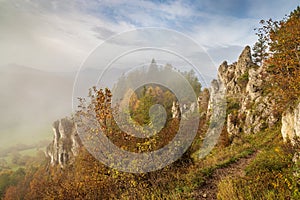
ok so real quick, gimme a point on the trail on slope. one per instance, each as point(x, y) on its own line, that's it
point(210, 189)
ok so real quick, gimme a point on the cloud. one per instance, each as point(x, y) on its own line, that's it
point(60, 34)
point(44, 37)
point(225, 31)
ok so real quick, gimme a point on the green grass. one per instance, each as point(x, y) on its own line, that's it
point(271, 163)
point(12, 166)
point(269, 175)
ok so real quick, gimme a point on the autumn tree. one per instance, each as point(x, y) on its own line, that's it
point(284, 64)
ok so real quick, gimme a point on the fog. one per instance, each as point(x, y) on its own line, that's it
point(30, 101)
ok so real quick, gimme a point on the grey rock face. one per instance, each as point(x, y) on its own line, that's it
point(183, 111)
point(244, 87)
point(65, 144)
point(175, 110)
point(203, 101)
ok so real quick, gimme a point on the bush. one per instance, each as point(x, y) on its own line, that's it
point(243, 79)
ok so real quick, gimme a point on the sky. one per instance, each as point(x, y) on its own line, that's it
point(58, 35)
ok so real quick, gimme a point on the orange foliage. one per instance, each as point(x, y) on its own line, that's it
point(285, 59)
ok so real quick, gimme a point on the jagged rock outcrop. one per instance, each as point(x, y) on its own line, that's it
point(249, 110)
point(183, 111)
point(290, 128)
point(175, 110)
point(234, 76)
point(66, 142)
point(203, 101)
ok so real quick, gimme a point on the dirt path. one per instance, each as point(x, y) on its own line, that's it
point(210, 189)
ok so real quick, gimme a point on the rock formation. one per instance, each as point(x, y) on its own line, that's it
point(249, 110)
point(203, 101)
point(290, 130)
point(65, 144)
point(291, 124)
point(175, 110)
point(183, 111)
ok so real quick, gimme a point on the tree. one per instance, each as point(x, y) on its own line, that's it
point(192, 78)
point(260, 47)
point(285, 61)
point(146, 101)
point(283, 39)
point(11, 193)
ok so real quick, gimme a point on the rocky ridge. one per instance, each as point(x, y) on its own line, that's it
point(249, 109)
